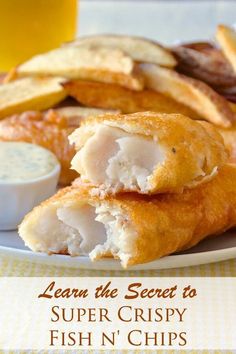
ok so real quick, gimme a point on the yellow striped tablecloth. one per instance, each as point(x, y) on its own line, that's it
point(122, 352)
point(11, 267)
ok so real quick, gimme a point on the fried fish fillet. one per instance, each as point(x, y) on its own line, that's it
point(50, 130)
point(229, 136)
point(30, 94)
point(146, 152)
point(226, 37)
point(110, 96)
point(191, 92)
point(139, 49)
point(99, 64)
point(131, 227)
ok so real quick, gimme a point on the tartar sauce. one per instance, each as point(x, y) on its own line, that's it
point(23, 161)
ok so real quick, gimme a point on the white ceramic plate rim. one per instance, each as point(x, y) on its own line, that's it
point(191, 258)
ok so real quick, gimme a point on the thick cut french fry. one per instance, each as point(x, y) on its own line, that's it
point(226, 37)
point(30, 94)
point(140, 49)
point(195, 94)
point(100, 64)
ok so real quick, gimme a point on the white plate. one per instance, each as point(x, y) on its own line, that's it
point(212, 250)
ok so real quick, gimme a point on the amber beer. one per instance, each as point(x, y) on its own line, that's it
point(28, 27)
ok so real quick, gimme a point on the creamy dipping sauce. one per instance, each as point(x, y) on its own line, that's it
point(23, 161)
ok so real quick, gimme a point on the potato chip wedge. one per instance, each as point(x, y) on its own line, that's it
point(205, 62)
point(139, 49)
point(108, 96)
point(193, 93)
point(100, 64)
point(226, 37)
point(30, 94)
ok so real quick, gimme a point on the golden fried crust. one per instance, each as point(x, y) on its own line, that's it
point(194, 151)
point(229, 136)
point(49, 130)
point(165, 223)
point(194, 93)
point(172, 223)
point(109, 96)
point(226, 36)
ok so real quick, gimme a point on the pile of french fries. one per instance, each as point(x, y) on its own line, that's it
point(131, 74)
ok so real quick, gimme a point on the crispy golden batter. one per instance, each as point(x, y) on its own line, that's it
point(193, 151)
point(226, 36)
point(194, 93)
point(229, 136)
point(152, 227)
point(109, 96)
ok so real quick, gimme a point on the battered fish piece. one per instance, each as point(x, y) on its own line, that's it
point(229, 136)
point(110, 96)
point(146, 152)
point(50, 130)
point(131, 227)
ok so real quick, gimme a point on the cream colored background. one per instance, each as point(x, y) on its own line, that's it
point(19, 304)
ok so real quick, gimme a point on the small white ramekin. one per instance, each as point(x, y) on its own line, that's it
point(18, 198)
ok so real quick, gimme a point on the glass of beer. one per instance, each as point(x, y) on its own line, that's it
point(29, 27)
